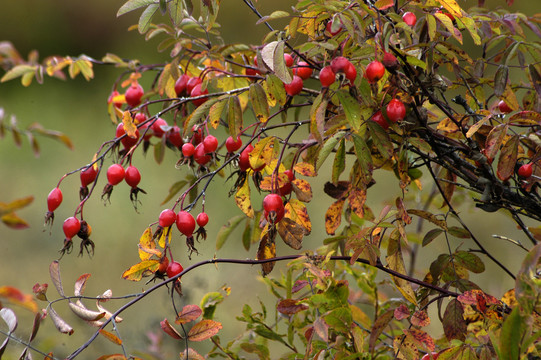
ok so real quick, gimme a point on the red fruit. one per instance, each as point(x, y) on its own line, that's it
point(525, 171)
point(288, 59)
point(111, 97)
point(54, 199)
point(409, 18)
point(374, 71)
point(134, 94)
point(174, 268)
point(378, 118)
point(200, 156)
point(351, 73)
point(174, 137)
point(191, 84)
point(295, 86)
point(210, 143)
point(232, 145)
point(339, 64)
point(167, 218)
point(139, 118)
point(396, 110)
point(71, 227)
point(286, 188)
point(126, 141)
point(188, 149)
point(303, 70)
point(185, 223)
point(279, 215)
point(450, 16)
point(158, 127)
point(132, 176)
point(180, 84)
point(115, 174)
point(390, 62)
point(327, 76)
point(197, 92)
point(197, 134)
point(244, 158)
point(273, 203)
point(430, 356)
point(88, 176)
point(202, 219)
point(504, 108)
point(328, 28)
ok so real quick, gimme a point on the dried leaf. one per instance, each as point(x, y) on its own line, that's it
point(60, 324)
point(267, 249)
point(111, 337)
point(188, 313)
point(500, 80)
point(508, 158)
point(15, 296)
point(302, 190)
point(80, 285)
point(170, 330)
point(380, 324)
point(291, 232)
point(84, 313)
point(242, 199)
point(422, 338)
point(290, 306)
point(203, 330)
point(333, 216)
point(305, 169)
point(296, 211)
point(396, 263)
point(54, 271)
point(454, 325)
point(420, 318)
point(401, 312)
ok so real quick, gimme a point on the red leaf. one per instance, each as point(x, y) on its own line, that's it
point(169, 330)
point(204, 330)
point(290, 306)
point(188, 313)
point(420, 318)
point(401, 312)
point(454, 324)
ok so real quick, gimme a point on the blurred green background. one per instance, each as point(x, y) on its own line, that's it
point(78, 108)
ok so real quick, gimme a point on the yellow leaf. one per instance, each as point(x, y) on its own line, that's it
point(267, 248)
point(291, 232)
point(264, 151)
point(333, 216)
point(396, 262)
point(302, 189)
point(452, 7)
point(129, 125)
point(144, 268)
point(305, 169)
point(111, 337)
point(242, 198)
point(296, 211)
point(146, 243)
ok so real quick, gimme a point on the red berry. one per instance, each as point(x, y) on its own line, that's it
point(188, 149)
point(174, 268)
point(54, 199)
point(273, 203)
point(244, 158)
point(159, 127)
point(396, 110)
point(288, 59)
point(351, 73)
point(210, 143)
point(378, 118)
point(286, 188)
point(112, 96)
point(197, 135)
point(134, 94)
point(232, 145)
point(167, 218)
point(328, 28)
point(115, 174)
point(180, 84)
point(525, 171)
point(374, 71)
point(327, 76)
point(409, 18)
point(139, 118)
point(174, 137)
point(202, 219)
point(185, 223)
point(71, 227)
point(88, 176)
point(504, 108)
point(303, 70)
point(191, 84)
point(339, 64)
point(132, 176)
point(295, 86)
point(390, 62)
point(197, 92)
point(200, 156)
point(126, 141)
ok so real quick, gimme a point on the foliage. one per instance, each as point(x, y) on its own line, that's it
point(437, 115)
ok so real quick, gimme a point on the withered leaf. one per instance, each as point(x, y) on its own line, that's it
point(333, 216)
point(454, 325)
point(291, 232)
point(302, 190)
point(290, 306)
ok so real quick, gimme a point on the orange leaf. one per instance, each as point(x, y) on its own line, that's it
point(13, 221)
point(494, 141)
point(291, 232)
point(420, 318)
point(111, 337)
point(296, 211)
point(302, 189)
point(192, 355)
point(508, 158)
point(144, 268)
point(112, 357)
point(169, 330)
point(422, 337)
point(129, 125)
point(333, 216)
point(15, 296)
point(204, 330)
point(279, 181)
point(188, 313)
point(305, 169)
point(356, 199)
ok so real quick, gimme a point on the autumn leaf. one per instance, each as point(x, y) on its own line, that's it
point(381, 322)
point(305, 169)
point(291, 232)
point(16, 297)
point(401, 312)
point(129, 125)
point(139, 270)
point(356, 199)
point(384, 4)
point(267, 248)
point(111, 337)
point(146, 242)
point(454, 325)
point(242, 198)
point(302, 190)
point(264, 152)
point(188, 313)
point(290, 306)
point(170, 330)
point(296, 211)
point(204, 330)
point(452, 7)
point(420, 318)
point(508, 158)
point(333, 216)
point(396, 263)
point(421, 337)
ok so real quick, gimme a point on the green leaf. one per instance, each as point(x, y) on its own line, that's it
point(381, 139)
point(146, 17)
point(258, 100)
point(275, 89)
point(174, 189)
point(227, 229)
point(200, 112)
point(234, 116)
point(364, 155)
point(176, 11)
point(327, 148)
point(459, 232)
point(209, 302)
point(17, 71)
point(469, 261)
point(339, 163)
point(431, 235)
point(351, 108)
point(133, 5)
point(511, 334)
point(500, 80)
